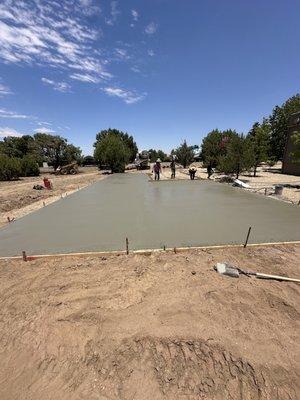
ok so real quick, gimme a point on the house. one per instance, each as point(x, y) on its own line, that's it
point(288, 165)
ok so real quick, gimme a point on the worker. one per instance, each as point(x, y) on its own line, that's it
point(173, 167)
point(157, 169)
point(210, 171)
point(192, 172)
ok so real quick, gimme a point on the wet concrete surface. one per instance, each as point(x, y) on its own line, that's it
point(151, 215)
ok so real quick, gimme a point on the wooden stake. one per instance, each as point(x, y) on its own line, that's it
point(24, 255)
point(266, 191)
point(8, 219)
point(175, 250)
point(44, 204)
point(127, 246)
point(248, 234)
point(164, 248)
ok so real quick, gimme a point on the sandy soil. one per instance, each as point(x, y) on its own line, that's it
point(266, 178)
point(18, 198)
point(162, 326)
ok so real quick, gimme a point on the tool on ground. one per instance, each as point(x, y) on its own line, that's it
point(235, 272)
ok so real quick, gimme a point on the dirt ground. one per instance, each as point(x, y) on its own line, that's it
point(161, 326)
point(18, 198)
point(266, 177)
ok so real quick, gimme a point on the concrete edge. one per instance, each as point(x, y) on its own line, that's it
point(147, 251)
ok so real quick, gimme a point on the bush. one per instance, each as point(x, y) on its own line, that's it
point(29, 166)
point(10, 168)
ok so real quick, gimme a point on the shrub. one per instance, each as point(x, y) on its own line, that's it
point(29, 166)
point(10, 168)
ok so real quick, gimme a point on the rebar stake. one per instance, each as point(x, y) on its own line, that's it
point(248, 234)
point(127, 246)
point(24, 255)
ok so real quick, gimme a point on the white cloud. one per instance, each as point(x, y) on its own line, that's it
point(59, 86)
point(13, 115)
point(151, 28)
point(114, 13)
point(43, 129)
point(88, 8)
point(135, 15)
point(122, 53)
point(85, 78)
point(4, 90)
point(4, 132)
point(50, 34)
point(44, 123)
point(128, 96)
point(151, 53)
point(135, 69)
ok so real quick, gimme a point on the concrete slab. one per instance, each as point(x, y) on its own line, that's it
point(151, 215)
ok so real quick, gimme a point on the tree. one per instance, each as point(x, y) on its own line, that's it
point(29, 166)
point(184, 154)
point(296, 153)
point(10, 168)
point(238, 157)
point(258, 141)
point(55, 150)
point(88, 160)
point(155, 154)
point(211, 148)
point(17, 146)
point(279, 125)
point(214, 146)
point(111, 151)
point(126, 139)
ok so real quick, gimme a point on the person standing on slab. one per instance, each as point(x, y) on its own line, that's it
point(210, 171)
point(192, 172)
point(157, 169)
point(173, 168)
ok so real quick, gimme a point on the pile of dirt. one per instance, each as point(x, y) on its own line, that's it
point(163, 326)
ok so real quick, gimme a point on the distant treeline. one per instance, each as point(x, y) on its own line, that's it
point(228, 151)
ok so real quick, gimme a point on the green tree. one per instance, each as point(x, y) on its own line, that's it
point(111, 151)
point(238, 157)
point(279, 125)
point(184, 154)
point(127, 140)
point(29, 166)
point(17, 146)
point(214, 146)
point(211, 148)
point(55, 150)
point(258, 142)
point(296, 153)
point(10, 168)
point(155, 154)
point(88, 160)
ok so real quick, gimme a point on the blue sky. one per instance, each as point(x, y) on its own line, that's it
point(162, 70)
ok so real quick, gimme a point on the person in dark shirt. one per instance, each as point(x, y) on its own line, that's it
point(192, 172)
point(209, 171)
point(157, 169)
point(173, 168)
